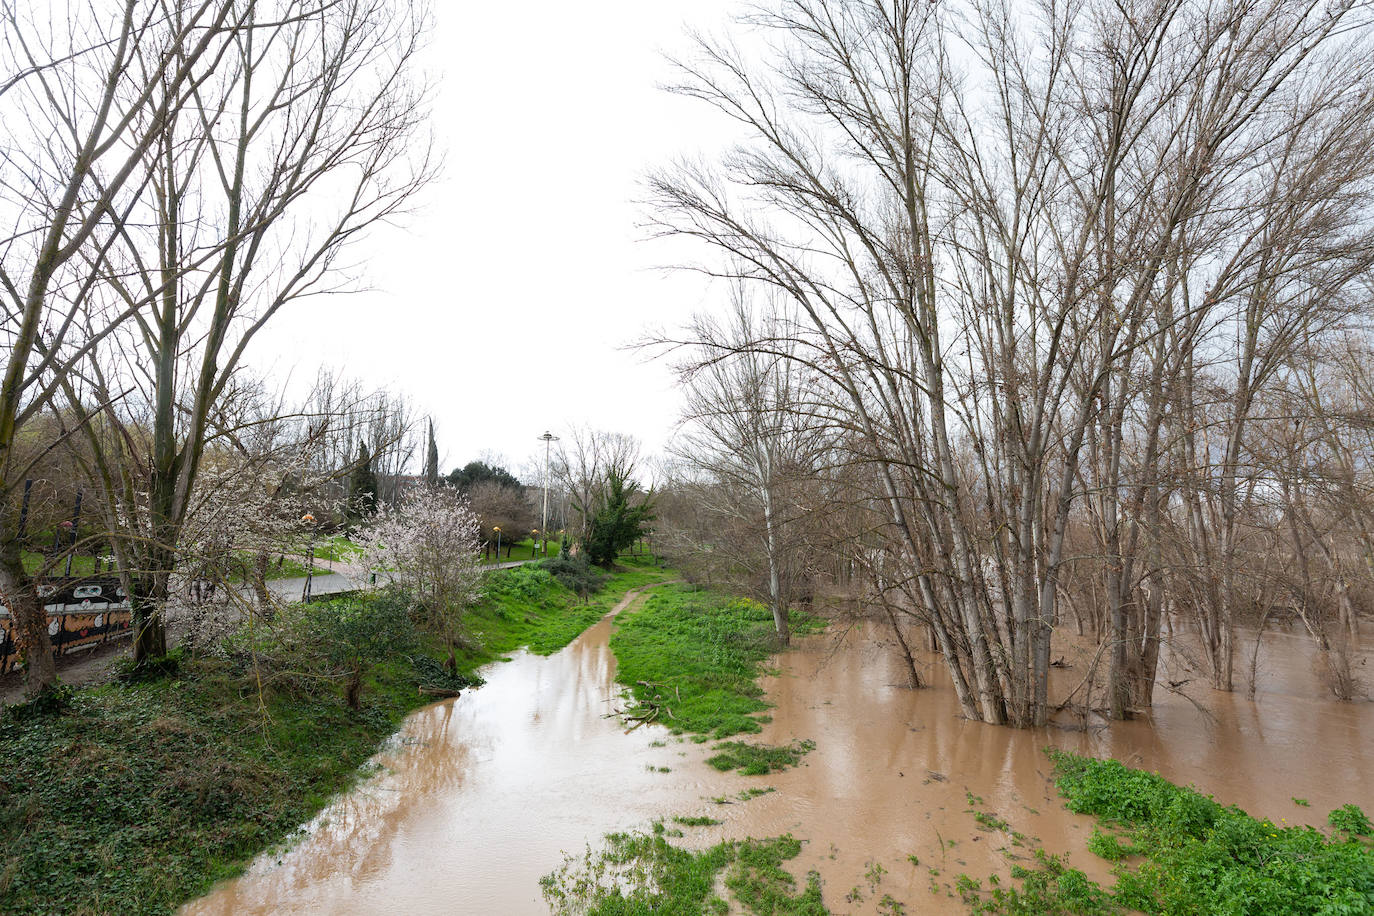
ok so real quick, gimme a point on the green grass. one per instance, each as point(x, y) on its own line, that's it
point(526, 606)
point(642, 874)
point(521, 550)
point(81, 565)
point(758, 759)
point(1185, 854)
point(695, 656)
point(139, 795)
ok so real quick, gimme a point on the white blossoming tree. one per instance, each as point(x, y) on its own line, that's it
point(428, 548)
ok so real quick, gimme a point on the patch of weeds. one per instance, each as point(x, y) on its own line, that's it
point(988, 821)
point(763, 886)
point(152, 669)
point(758, 759)
point(744, 795)
point(1349, 819)
point(1301, 802)
point(695, 821)
point(638, 874)
point(54, 701)
point(1199, 857)
point(891, 906)
point(1051, 888)
point(1108, 846)
point(575, 574)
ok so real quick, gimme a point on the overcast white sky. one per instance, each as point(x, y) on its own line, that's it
point(502, 308)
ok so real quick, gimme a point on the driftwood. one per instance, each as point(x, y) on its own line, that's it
point(442, 692)
point(646, 711)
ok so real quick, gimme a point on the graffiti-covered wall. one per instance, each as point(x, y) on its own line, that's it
point(81, 612)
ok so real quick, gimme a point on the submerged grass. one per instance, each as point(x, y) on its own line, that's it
point(136, 796)
point(642, 874)
point(758, 759)
point(694, 655)
point(1185, 854)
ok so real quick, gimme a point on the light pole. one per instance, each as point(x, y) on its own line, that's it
point(497, 529)
point(310, 560)
point(549, 438)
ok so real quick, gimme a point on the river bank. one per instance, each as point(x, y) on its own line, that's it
point(141, 794)
point(894, 802)
point(899, 798)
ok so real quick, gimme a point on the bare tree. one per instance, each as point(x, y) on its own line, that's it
point(981, 261)
point(84, 92)
point(297, 142)
point(748, 426)
point(585, 462)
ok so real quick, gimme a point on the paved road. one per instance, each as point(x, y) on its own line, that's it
point(334, 583)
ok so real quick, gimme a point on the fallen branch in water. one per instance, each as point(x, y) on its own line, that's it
point(644, 711)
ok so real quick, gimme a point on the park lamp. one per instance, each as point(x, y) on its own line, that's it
point(309, 519)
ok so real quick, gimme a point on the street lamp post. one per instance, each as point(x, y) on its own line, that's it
point(310, 560)
point(497, 529)
point(549, 438)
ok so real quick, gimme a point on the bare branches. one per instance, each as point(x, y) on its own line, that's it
point(1013, 280)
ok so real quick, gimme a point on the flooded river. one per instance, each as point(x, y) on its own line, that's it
point(482, 795)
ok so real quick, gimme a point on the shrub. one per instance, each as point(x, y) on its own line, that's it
point(575, 573)
point(1351, 820)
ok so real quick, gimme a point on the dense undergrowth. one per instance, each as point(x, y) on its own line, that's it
point(138, 795)
point(1181, 853)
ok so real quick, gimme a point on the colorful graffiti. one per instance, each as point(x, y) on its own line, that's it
point(82, 612)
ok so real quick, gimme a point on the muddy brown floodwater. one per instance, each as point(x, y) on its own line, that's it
point(481, 796)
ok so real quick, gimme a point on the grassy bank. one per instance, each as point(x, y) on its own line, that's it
point(526, 606)
point(139, 795)
point(691, 659)
point(1184, 854)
